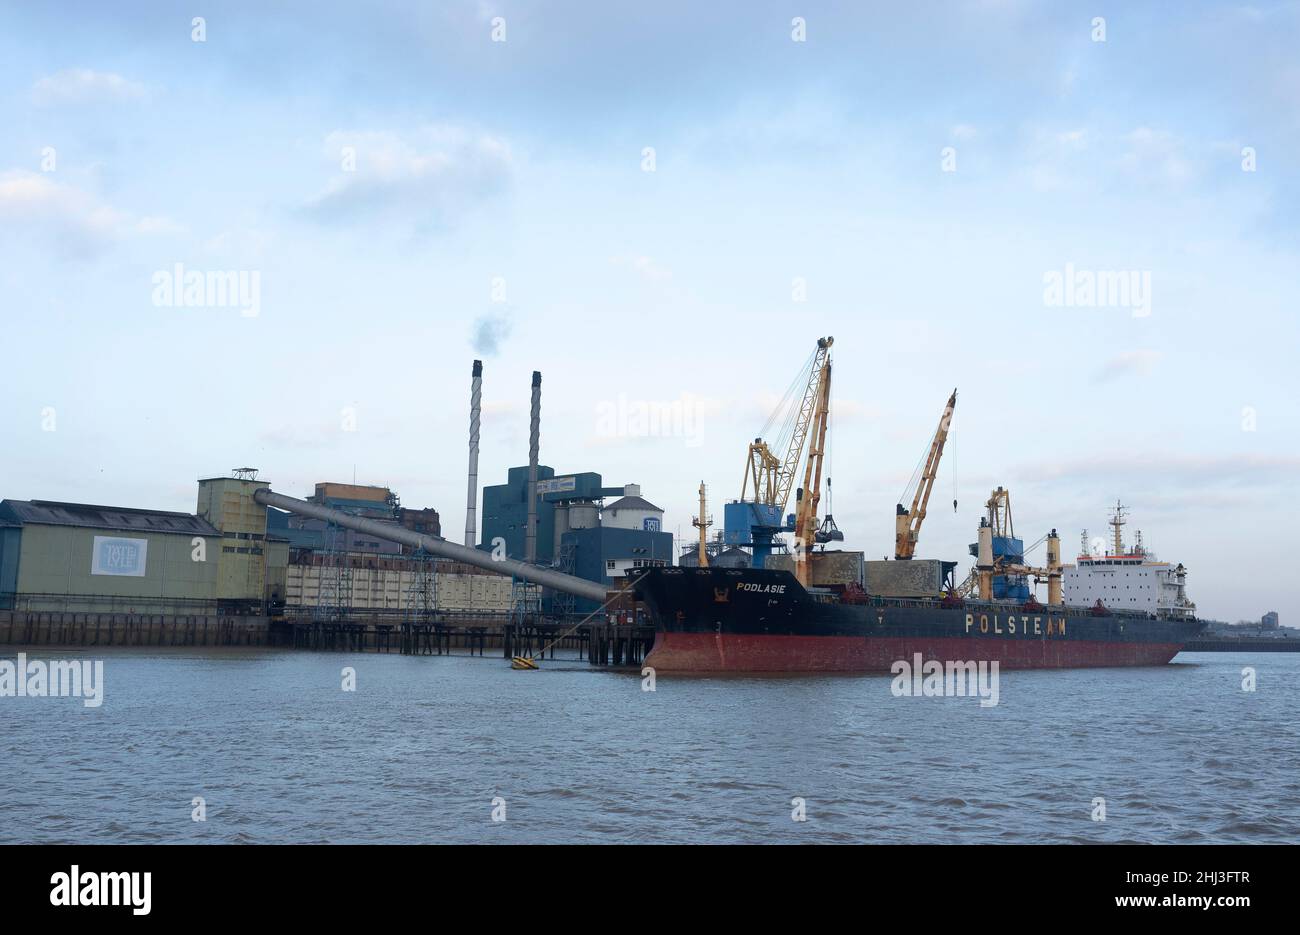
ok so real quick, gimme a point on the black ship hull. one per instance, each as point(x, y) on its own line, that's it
point(755, 620)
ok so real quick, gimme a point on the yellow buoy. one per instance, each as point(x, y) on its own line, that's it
point(522, 662)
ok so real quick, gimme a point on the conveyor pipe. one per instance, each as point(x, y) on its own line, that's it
point(436, 545)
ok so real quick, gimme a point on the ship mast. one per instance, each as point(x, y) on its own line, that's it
point(702, 523)
point(1117, 521)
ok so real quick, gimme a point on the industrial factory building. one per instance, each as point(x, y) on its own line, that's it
point(334, 571)
point(233, 556)
point(78, 557)
point(249, 552)
point(230, 557)
point(577, 531)
point(361, 500)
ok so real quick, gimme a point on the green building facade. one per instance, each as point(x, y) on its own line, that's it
point(80, 557)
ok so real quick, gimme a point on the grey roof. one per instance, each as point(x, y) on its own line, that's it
point(632, 503)
point(50, 513)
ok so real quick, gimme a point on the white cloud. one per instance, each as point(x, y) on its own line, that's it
point(157, 225)
point(1054, 157)
point(1130, 363)
point(83, 85)
point(431, 175)
point(852, 410)
point(79, 222)
point(242, 242)
point(500, 408)
point(1072, 139)
point(1173, 470)
point(649, 268)
point(1157, 155)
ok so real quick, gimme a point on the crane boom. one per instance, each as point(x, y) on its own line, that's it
point(907, 523)
point(819, 374)
point(759, 515)
point(772, 478)
point(805, 524)
point(760, 471)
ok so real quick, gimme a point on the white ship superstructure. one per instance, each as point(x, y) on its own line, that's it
point(1127, 579)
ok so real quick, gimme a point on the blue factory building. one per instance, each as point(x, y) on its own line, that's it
point(577, 530)
point(505, 508)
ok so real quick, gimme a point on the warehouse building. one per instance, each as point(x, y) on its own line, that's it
point(389, 586)
point(373, 577)
point(235, 557)
point(80, 557)
point(377, 503)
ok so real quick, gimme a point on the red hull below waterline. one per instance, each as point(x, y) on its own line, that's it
point(740, 652)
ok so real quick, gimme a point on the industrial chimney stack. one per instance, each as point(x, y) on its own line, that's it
point(530, 541)
point(475, 405)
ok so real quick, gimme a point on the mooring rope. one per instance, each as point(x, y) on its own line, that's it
point(541, 654)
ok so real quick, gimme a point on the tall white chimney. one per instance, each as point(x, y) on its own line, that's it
point(475, 406)
point(530, 540)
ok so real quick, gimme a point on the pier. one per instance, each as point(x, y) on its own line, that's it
point(67, 628)
point(598, 642)
point(1243, 644)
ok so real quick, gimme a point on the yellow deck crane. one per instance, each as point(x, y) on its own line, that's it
point(805, 523)
point(758, 515)
point(997, 534)
point(907, 523)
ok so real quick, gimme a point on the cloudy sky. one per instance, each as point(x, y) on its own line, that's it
point(667, 204)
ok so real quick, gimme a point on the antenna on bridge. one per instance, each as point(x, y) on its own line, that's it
point(1117, 521)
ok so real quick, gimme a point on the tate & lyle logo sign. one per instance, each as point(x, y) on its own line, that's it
point(557, 485)
point(115, 556)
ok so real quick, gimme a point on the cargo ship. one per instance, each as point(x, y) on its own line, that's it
point(728, 619)
point(763, 620)
point(812, 616)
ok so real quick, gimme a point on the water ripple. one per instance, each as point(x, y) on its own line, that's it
point(430, 749)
